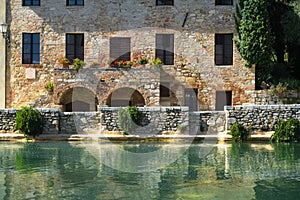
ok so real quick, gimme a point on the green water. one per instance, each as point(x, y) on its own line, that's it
point(89, 170)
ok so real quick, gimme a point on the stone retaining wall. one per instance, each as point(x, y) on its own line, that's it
point(158, 119)
point(266, 97)
point(54, 121)
point(207, 122)
point(261, 118)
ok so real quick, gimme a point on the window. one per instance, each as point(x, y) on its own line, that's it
point(164, 2)
point(223, 49)
point(224, 2)
point(31, 2)
point(120, 48)
point(191, 98)
point(223, 98)
point(75, 2)
point(31, 48)
point(165, 48)
point(75, 46)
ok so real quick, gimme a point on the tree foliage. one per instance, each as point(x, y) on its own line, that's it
point(269, 37)
point(254, 42)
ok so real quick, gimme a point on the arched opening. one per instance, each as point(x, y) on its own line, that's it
point(167, 97)
point(79, 99)
point(125, 97)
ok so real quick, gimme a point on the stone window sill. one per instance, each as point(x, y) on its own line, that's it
point(223, 66)
point(31, 65)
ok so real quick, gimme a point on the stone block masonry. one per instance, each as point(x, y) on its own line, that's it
point(163, 119)
point(139, 20)
point(261, 118)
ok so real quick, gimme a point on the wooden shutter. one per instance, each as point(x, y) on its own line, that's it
point(120, 48)
point(165, 48)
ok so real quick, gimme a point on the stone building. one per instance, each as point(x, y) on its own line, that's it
point(194, 39)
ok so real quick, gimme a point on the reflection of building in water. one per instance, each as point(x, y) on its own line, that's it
point(200, 66)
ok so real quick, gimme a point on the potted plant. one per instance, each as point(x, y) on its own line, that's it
point(143, 61)
point(64, 61)
point(49, 87)
point(123, 64)
point(157, 63)
point(78, 64)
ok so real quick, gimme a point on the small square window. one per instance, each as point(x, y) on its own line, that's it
point(31, 3)
point(164, 2)
point(75, 2)
point(224, 2)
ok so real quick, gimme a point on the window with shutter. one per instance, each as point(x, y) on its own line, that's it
point(224, 2)
point(75, 2)
point(31, 3)
point(120, 48)
point(164, 2)
point(31, 48)
point(165, 48)
point(223, 49)
point(75, 46)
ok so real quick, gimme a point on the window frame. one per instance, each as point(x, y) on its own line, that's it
point(222, 3)
point(165, 52)
point(31, 3)
point(75, 3)
point(157, 3)
point(76, 55)
point(225, 51)
point(31, 53)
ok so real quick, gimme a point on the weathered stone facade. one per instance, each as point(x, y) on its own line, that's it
point(140, 20)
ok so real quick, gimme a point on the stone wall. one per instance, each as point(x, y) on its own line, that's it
point(54, 121)
point(157, 120)
point(207, 122)
point(261, 118)
point(266, 97)
point(138, 19)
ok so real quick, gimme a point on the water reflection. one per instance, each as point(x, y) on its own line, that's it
point(61, 170)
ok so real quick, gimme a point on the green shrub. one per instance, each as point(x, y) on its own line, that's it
point(129, 119)
point(78, 64)
point(239, 132)
point(287, 131)
point(49, 86)
point(29, 121)
point(157, 63)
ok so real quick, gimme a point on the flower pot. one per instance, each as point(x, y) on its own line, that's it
point(65, 66)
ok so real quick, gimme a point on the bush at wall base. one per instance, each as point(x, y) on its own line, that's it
point(287, 131)
point(129, 119)
point(239, 132)
point(29, 121)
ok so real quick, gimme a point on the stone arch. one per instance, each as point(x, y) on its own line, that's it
point(125, 96)
point(78, 99)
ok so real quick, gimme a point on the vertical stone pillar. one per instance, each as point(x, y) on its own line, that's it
point(2, 55)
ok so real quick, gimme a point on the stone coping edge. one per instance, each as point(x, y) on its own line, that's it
point(118, 137)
